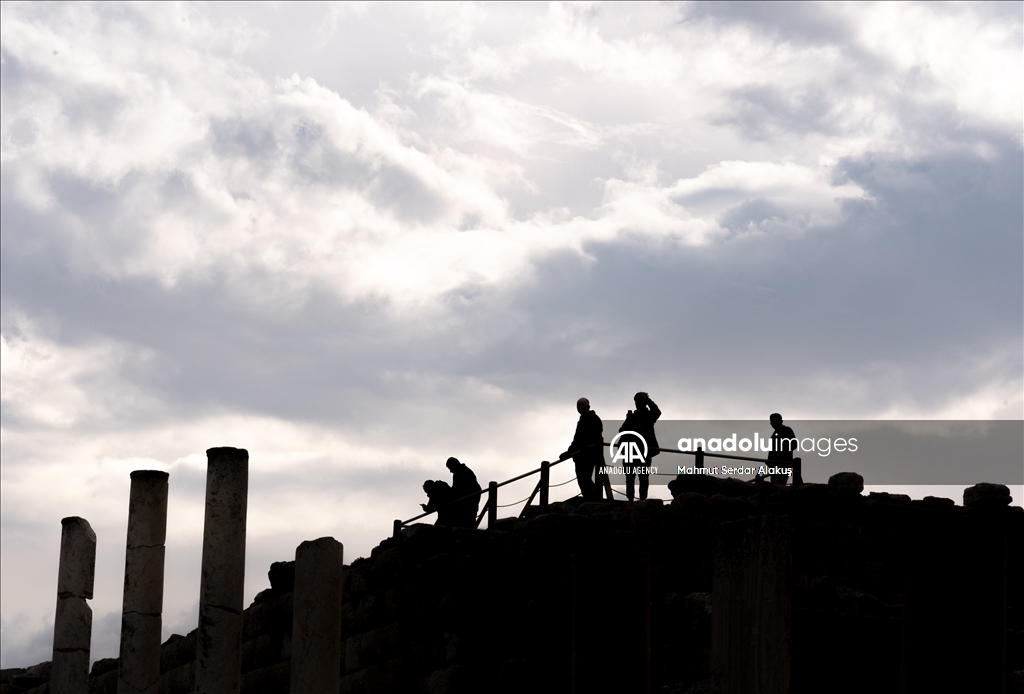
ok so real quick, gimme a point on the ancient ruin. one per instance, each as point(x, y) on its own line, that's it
point(733, 587)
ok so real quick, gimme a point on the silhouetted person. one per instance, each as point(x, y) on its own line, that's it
point(783, 444)
point(463, 483)
point(439, 495)
point(641, 420)
point(589, 442)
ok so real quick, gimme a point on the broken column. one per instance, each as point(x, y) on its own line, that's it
point(316, 617)
point(750, 603)
point(142, 604)
point(219, 646)
point(72, 625)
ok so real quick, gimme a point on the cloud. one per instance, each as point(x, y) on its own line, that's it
point(358, 241)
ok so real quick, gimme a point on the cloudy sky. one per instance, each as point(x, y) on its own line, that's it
point(357, 239)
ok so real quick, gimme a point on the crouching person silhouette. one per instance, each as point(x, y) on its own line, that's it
point(439, 496)
point(463, 484)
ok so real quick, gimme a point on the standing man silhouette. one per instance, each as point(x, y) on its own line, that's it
point(783, 443)
point(588, 446)
point(641, 420)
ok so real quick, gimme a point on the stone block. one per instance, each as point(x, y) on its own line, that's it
point(588, 508)
point(273, 679)
point(728, 506)
point(72, 626)
point(846, 484)
point(147, 509)
point(987, 495)
point(102, 666)
point(282, 577)
point(273, 616)
point(691, 502)
point(260, 652)
point(449, 680)
point(178, 650)
point(144, 580)
point(77, 558)
point(356, 683)
point(139, 662)
point(179, 680)
point(353, 661)
point(886, 497)
point(105, 683)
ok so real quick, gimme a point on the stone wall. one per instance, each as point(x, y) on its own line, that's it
point(454, 610)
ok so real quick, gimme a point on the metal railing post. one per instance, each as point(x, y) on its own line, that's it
point(798, 478)
point(396, 528)
point(492, 504)
point(698, 460)
point(545, 476)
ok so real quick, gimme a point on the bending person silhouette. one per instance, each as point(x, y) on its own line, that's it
point(641, 420)
point(439, 496)
point(588, 444)
point(464, 483)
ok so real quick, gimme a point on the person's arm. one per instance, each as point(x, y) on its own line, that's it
point(575, 444)
point(655, 412)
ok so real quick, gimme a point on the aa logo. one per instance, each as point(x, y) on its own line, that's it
point(627, 450)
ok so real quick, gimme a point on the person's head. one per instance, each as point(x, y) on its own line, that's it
point(428, 486)
point(640, 399)
point(452, 464)
point(775, 419)
point(582, 405)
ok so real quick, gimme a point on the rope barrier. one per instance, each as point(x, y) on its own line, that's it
point(514, 502)
point(699, 454)
point(550, 486)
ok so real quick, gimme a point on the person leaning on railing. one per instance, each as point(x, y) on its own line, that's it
point(439, 495)
point(464, 484)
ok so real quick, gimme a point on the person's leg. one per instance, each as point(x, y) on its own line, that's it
point(643, 486)
point(593, 481)
point(583, 472)
point(629, 483)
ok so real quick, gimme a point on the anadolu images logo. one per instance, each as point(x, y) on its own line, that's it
point(628, 451)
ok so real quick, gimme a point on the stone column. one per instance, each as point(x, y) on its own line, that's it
point(316, 617)
point(750, 607)
point(611, 615)
point(72, 625)
point(142, 604)
point(219, 646)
